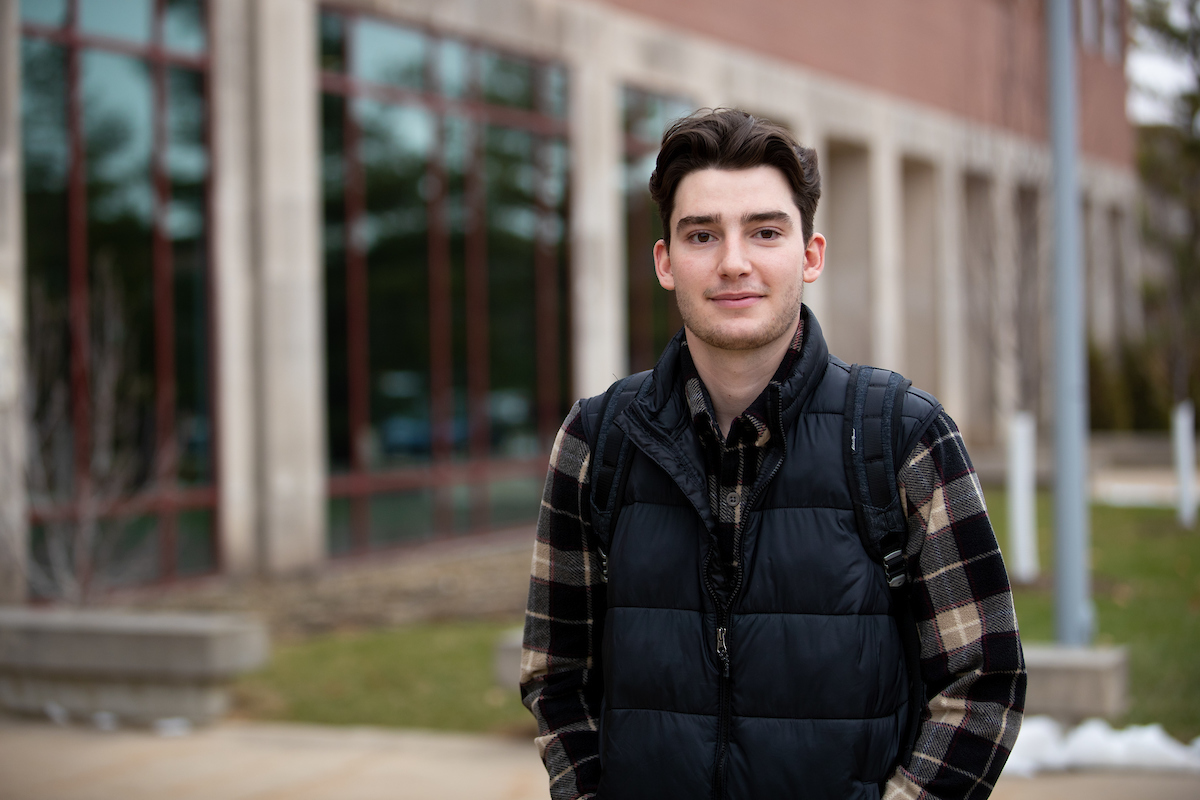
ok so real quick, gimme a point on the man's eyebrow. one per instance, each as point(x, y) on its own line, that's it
point(697, 219)
point(766, 216)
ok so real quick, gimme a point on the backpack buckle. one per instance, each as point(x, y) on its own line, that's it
point(894, 569)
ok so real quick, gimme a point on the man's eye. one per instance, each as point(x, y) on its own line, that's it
point(769, 234)
point(702, 237)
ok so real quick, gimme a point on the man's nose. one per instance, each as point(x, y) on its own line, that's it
point(735, 261)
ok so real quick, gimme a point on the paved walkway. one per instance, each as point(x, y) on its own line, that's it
point(260, 761)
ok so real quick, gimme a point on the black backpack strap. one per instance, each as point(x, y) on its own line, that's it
point(875, 400)
point(874, 404)
point(609, 457)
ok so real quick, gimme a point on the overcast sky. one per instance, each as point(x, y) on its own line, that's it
point(1154, 77)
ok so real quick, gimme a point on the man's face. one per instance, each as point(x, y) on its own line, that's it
point(738, 260)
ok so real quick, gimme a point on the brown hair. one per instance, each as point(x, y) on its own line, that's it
point(726, 138)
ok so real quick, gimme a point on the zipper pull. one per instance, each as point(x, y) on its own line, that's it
point(723, 651)
point(603, 565)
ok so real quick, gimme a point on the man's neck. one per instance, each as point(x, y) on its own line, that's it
point(734, 378)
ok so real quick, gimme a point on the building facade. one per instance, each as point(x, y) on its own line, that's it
point(283, 280)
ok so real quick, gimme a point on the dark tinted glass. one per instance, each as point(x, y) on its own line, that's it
point(44, 12)
point(187, 227)
point(554, 92)
point(331, 33)
point(401, 516)
point(507, 81)
point(337, 377)
point(46, 161)
point(511, 229)
point(131, 20)
point(388, 54)
point(454, 68)
point(394, 148)
point(118, 130)
point(457, 143)
point(653, 316)
point(195, 551)
point(338, 520)
point(514, 501)
point(184, 29)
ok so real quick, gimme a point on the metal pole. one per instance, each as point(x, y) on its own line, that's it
point(1073, 614)
point(1183, 430)
point(1022, 497)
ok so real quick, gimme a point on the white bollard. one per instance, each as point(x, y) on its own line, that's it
point(1022, 497)
point(1183, 430)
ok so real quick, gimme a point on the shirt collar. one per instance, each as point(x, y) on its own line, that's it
point(755, 425)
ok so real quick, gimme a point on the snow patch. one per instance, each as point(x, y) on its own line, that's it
point(1044, 746)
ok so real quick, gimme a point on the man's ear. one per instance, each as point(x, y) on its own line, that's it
point(662, 266)
point(814, 258)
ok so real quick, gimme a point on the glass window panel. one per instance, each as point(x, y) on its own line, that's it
point(507, 81)
point(394, 148)
point(653, 317)
point(331, 31)
point(195, 547)
point(337, 375)
point(454, 71)
point(555, 90)
point(44, 12)
point(512, 222)
point(45, 162)
point(388, 54)
point(515, 501)
point(184, 28)
point(401, 517)
point(187, 227)
point(457, 142)
point(118, 126)
point(127, 552)
point(340, 539)
point(119, 19)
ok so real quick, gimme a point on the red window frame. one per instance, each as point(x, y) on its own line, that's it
point(164, 498)
point(444, 471)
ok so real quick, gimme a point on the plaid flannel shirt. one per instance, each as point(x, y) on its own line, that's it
point(971, 658)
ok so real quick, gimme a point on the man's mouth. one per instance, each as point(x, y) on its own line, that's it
point(736, 299)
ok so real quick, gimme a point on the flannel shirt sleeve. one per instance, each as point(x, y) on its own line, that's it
point(561, 680)
point(971, 658)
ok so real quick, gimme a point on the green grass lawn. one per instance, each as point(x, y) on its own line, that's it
point(1146, 589)
point(1146, 586)
point(436, 675)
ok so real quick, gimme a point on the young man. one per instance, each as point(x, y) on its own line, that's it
point(736, 640)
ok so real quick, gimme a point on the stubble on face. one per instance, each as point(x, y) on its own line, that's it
point(725, 336)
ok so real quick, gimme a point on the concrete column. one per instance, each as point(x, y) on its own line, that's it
point(919, 285)
point(1004, 297)
point(1101, 279)
point(1132, 312)
point(980, 331)
point(887, 298)
point(952, 358)
point(289, 309)
point(598, 280)
point(233, 279)
point(848, 288)
point(14, 526)
point(816, 295)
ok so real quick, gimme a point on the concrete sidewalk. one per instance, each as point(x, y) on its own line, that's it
point(244, 760)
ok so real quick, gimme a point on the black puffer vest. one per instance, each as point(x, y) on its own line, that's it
point(813, 701)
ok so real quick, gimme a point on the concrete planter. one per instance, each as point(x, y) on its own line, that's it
point(140, 667)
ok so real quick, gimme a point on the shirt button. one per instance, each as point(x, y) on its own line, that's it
point(732, 499)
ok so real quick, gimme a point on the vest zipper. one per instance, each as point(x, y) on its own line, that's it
point(725, 718)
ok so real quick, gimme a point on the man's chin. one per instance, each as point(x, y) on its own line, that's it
point(737, 338)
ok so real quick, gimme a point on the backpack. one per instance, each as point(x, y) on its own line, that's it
point(870, 449)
